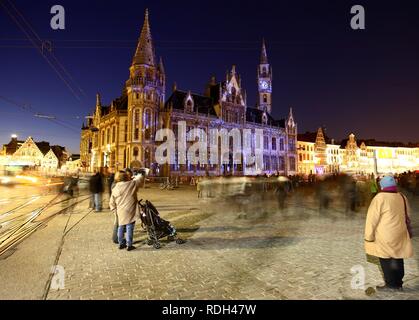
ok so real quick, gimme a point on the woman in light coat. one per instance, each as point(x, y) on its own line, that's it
point(387, 233)
point(124, 204)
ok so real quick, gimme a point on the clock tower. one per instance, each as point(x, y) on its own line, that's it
point(264, 79)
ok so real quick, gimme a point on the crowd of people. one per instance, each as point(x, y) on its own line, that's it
point(388, 229)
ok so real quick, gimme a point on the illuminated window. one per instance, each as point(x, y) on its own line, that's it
point(126, 131)
point(292, 163)
point(147, 124)
point(136, 124)
point(266, 143)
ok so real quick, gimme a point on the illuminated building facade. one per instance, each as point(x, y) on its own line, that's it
point(317, 157)
point(36, 155)
point(123, 134)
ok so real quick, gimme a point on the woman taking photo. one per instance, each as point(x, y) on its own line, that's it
point(124, 204)
point(388, 233)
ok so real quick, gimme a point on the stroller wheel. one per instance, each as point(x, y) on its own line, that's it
point(150, 242)
point(157, 245)
point(180, 241)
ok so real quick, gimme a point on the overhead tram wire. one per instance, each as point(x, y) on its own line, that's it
point(51, 53)
point(31, 110)
point(2, 3)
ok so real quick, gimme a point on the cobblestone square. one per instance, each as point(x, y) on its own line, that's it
point(262, 253)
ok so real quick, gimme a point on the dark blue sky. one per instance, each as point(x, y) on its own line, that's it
point(364, 82)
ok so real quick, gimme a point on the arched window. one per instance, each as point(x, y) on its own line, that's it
point(125, 130)
point(147, 124)
point(264, 119)
point(135, 152)
point(136, 124)
point(265, 98)
point(233, 94)
point(189, 106)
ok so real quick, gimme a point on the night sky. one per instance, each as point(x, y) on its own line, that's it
point(366, 82)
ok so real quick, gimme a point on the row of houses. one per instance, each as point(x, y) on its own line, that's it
point(318, 154)
point(37, 155)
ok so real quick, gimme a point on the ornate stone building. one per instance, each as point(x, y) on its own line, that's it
point(315, 156)
point(123, 134)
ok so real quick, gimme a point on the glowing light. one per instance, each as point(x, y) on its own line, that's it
point(5, 180)
point(28, 178)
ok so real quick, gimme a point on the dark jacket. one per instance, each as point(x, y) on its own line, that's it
point(96, 183)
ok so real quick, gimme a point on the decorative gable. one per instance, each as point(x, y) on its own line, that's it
point(189, 103)
point(231, 91)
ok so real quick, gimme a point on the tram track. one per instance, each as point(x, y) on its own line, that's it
point(21, 226)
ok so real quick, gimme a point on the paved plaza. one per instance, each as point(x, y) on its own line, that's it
point(252, 251)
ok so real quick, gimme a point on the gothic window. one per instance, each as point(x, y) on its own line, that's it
point(264, 72)
point(108, 136)
point(137, 96)
point(126, 131)
point(292, 163)
point(291, 145)
point(135, 152)
point(281, 144)
point(136, 124)
point(103, 137)
point(147, 124)
point(274, 144)
point(233, 94)
point(113, 134)
point(266, 143)
point(265, 98)
point(281, 164)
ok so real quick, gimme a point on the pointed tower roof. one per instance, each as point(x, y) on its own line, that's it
point(161, 66)
point(98, 103)
point(263, 54)
point(145, 50)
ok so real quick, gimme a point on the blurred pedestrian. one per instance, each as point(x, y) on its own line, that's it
point(388, 233)
point(350, 195)
point(282, 190)
point(124, 204)
point(96, 188)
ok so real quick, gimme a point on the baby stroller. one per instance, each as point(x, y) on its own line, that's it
point(156, 227)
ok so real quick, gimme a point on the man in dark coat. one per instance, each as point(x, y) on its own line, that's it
point(96, 188)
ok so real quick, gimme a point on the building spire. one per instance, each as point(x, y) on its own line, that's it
point(161, 66)
point(263, 54)
point(98, 103)
point(145, 50)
